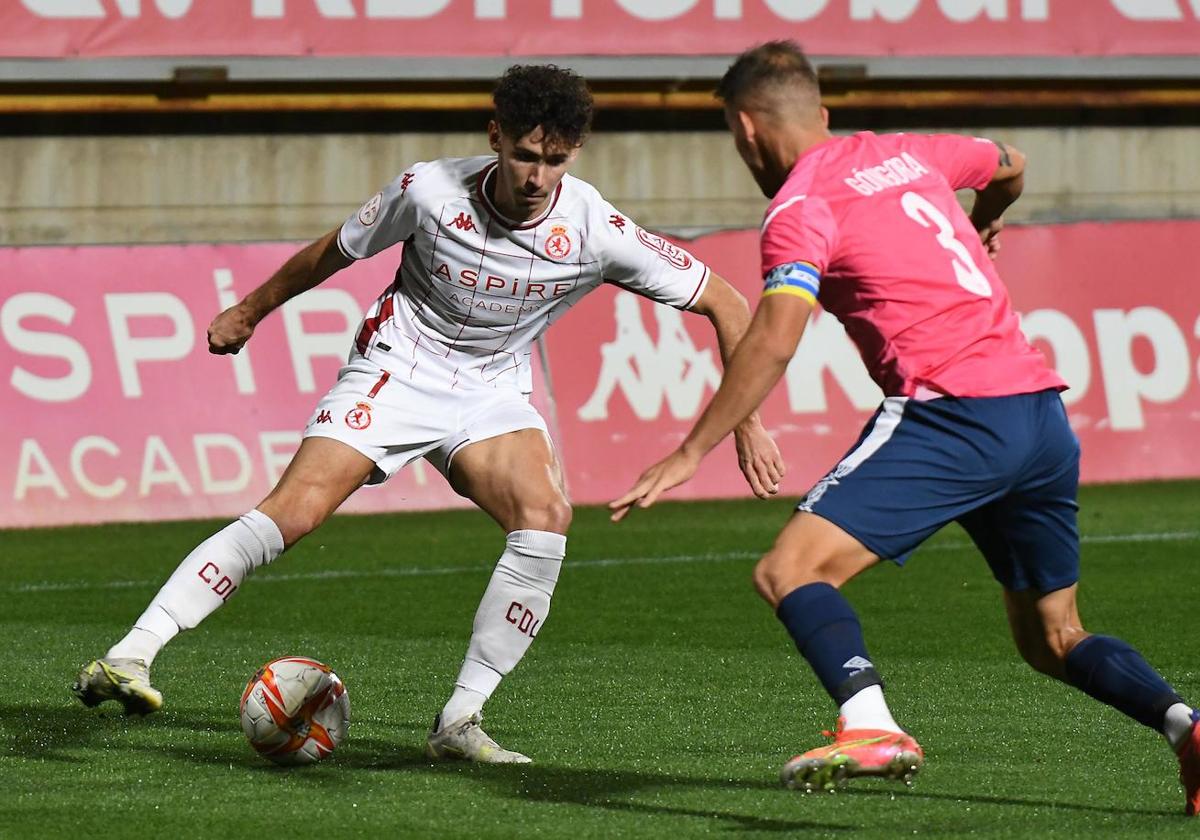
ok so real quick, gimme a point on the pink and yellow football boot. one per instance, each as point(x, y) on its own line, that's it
point(1189, 770)
point(862, 752)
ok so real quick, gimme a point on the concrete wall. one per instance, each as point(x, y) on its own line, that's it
point(84, 190)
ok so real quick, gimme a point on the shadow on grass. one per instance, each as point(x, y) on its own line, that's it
point(611, 790)
point(48, 733)
point(45, 732)
point(982, 799)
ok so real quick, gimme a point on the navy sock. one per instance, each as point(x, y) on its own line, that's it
point(827, 633)
point(1111, 671)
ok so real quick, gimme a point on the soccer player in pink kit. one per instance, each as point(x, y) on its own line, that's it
point(971, 429)
point(496, 248)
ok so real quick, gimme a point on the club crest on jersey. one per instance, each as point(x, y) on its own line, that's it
point(464, 222)
point(359, 417)
point(558, 244)
point(370, 211)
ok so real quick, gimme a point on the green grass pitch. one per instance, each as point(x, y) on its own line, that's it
point(660, 700)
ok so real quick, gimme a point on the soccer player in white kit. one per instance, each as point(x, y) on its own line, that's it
point(495, 249)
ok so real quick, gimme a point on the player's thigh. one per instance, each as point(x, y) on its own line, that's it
point(515, 478)
point(1030, 535)
point(810, 549)
point(1045, 626)
point(321, 475)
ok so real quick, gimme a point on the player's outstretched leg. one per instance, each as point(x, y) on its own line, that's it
point(1051, 638)
point(513, 477)
point(322, 474)
point(800, 576)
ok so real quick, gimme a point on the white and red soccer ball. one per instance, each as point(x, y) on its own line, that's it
point(295, 710)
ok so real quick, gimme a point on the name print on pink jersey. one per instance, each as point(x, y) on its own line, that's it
point(893, 172)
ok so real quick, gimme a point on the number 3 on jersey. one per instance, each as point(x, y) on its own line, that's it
point(921, 210)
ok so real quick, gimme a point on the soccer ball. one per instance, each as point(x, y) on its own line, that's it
point(295, 710)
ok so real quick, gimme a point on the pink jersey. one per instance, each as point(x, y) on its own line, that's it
point(869, 225)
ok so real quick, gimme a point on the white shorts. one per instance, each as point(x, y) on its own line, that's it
point(394, 421)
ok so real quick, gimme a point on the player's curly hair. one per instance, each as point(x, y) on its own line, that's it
point(557, 99)
point(775, 64)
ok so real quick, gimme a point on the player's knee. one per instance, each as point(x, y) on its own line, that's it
point(296, 519)
point(777, 574)
point(552, 515)
point(1047, 652)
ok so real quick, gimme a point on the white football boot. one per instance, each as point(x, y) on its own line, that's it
point(125, 680)
point(466, 740)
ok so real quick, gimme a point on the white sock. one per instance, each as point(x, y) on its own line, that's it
point(1177, 724)
point(868, 710)
point(204, 581)
point(512, 611)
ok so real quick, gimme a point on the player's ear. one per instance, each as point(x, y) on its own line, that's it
point(494, 135)
point(747, 125)
point(824, 116)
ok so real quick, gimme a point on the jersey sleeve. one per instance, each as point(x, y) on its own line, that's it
point(798, 239)
point(646, 263)
point(966, 162)
point(388, 217)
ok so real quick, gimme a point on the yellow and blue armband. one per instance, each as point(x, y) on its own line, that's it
point(798, 278)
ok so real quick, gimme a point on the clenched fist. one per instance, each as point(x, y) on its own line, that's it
point(230, 330)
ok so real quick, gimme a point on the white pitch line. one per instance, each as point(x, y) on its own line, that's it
point(716, 557)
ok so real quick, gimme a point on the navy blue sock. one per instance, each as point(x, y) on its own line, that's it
point(1111, 671)
point(827, 633)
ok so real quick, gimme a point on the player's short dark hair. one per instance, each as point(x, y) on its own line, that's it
point(557, 99)
point(773, 65)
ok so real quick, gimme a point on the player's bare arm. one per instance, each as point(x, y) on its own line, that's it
point(991, 202)
point(758, 456)
point(757, 365)
point(310, 267)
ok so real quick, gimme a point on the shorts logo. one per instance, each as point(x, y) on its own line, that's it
point(359, 417)
point(669, 251)
point(324, 417)
point(558, 244)
point(370, 211)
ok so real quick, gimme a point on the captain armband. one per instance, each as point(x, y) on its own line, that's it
point(798, 278)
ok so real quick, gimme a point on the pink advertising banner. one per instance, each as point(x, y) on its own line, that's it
point(1065, 28)
point(114, 410)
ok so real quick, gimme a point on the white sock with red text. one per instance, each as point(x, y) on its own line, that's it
point(202, 582)
point(868, 710)
point(509, 617)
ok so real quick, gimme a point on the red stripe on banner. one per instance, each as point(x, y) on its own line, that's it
point(1067, 28)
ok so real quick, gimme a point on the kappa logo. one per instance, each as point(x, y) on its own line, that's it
point(370, 211)
point(617, 221)
point(324, 417)
point(651, 370)
point(464, 222)
point(359, 417)
point(558, 244)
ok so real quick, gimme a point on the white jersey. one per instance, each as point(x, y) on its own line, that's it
point(474, 289)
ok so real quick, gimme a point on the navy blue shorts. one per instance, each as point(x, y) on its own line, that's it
point(1005, 468)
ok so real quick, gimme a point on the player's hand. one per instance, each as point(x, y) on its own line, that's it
point(759, 458)
point(989, 235)
point(230, 330)
point(670, 472)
